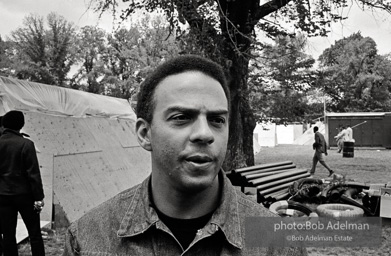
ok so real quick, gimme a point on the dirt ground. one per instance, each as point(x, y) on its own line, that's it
point(367, 166)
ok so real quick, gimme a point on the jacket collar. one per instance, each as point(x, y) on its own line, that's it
point(7, 130)
point(141, 215)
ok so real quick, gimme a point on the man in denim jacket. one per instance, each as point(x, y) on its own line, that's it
point(187, 206)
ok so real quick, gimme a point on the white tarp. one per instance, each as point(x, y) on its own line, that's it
point(286, 134)
point(265, 133)
point(36, 97)
point(307, 138)
point(86, 144)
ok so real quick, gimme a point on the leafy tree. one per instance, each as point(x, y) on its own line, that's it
point(123, 61)
point(91, 44)
point(6, 58)
point(44, 54)
point(225, 30)
point(61, 54)
point(114, 64)
point(354, 76)
point(133, 52)
point(30, 47)
point(279, 80)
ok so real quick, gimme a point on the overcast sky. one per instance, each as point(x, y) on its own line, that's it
point(12, 12)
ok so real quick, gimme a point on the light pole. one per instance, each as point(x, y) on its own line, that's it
point(326, 127)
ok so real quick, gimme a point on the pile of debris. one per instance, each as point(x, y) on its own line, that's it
point(290, 191)
point(336, 190)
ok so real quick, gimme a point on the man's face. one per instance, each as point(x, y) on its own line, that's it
point(189, 131)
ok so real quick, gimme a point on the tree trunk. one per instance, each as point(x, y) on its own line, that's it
point(234, 17)
point(242, 121)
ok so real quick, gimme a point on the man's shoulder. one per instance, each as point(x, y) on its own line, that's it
point(248, 206)
point(15, 136)
point(320, 135)
point(98, 228)
point(107, 214)
point(16, 142)
point(121, 199)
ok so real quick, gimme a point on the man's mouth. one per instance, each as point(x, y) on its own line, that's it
point(199, 159)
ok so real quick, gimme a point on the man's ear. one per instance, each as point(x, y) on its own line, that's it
point(143, 133)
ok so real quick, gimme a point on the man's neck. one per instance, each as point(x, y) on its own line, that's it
point(180, 205)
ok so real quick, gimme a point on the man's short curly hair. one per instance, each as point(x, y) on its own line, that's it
point(145, 98)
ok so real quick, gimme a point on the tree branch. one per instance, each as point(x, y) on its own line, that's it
point(269, 7)
point(188, 10)
point(375, 5)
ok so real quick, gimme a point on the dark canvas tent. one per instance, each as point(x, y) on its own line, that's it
point(86, 144)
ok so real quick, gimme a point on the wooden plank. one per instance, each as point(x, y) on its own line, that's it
point(276, 188)
point(278, 182)
point(277, 193)
point(125, 131)
point(94, 159)
point(59, 135)
point(278, 176)
point(260, 173)
point(83, 181)
point(261, 166)
point(46, 166)
point(282, 196)
point(264, 198)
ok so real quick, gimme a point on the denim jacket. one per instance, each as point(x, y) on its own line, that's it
point(128, 225)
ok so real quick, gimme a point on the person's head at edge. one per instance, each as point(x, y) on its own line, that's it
point(316, 129)
point(182, 119)
point(13, 120)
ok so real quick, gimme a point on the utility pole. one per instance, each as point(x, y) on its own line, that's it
point(326, 127)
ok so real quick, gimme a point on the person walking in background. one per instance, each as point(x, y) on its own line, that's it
point(349, 133)
point(21, 188)
point(341, 137)
point(320, 147)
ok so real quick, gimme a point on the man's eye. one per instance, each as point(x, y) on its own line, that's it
point(217, 120)
point(180, 118)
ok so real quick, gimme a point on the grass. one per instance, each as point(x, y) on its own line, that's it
point(53, 241)
point(367, 166)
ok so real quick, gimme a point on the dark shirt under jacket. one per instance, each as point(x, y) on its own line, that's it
point(19, 168)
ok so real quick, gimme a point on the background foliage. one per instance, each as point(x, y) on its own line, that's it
point(269, 79)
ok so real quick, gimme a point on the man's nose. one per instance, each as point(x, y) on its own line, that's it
point(201, 132)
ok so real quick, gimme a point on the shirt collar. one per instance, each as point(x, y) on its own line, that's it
point(141, 216)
